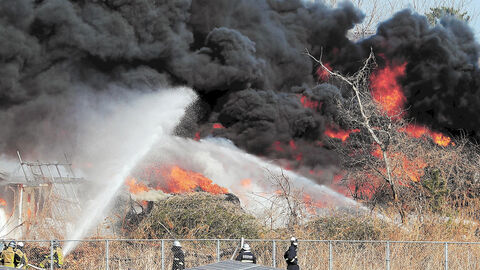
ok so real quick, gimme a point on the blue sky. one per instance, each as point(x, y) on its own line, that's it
point(475, 7)
point(472, 8)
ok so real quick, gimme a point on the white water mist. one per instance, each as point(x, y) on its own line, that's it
point(120, 139)
point(219, 160)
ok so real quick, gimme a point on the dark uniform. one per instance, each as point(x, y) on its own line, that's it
point(246, 256)
point(291, 258)
point(178, 258)
point(57, 258)
point(21, 260)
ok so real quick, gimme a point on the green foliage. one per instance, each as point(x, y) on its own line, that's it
point(437, 13)
point(198, 215)
point(437, 188)
point(347, 228)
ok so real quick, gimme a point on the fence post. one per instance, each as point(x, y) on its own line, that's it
point(51, 254)
point(218, 250)
point(446, 255)
point(330, 256)
point(274, 254)
point(387, 255)
point(107, 254)
point(163, 256)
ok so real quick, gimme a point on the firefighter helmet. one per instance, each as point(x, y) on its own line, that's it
point(176, 243)
point(294, 241)
point(246, 247)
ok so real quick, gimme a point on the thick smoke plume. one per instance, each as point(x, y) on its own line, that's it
point(243, 57)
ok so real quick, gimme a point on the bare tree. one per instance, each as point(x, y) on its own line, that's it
point(367, 110)
point(286, 202)
point(389, 156)
point(377, 11)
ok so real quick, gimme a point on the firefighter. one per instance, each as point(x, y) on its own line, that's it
point(178, 256)
point(291, 255)
point(7, 257)
point(57, 256)
point(245, 255)
point(21, 260)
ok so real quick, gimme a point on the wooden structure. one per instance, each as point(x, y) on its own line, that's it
point(44, 196)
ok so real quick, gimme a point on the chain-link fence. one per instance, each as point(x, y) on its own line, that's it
point(156, 254)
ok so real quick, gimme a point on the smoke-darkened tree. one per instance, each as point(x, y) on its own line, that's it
point(384, 160)
point(438, 13)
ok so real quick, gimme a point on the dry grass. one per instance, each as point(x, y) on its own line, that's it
point(197, 215)
point(147, 254)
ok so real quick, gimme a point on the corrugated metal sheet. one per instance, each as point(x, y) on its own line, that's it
point(232, 265)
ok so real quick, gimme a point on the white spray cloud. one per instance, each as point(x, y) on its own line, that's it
point(227, 166)
point(118, 136)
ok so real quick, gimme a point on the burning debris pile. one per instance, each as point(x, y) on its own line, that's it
point(169, 180)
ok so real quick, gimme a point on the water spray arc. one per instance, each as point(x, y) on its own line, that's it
point(159, 114)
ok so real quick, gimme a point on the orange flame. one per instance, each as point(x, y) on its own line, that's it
point(312, 205)
point(377, 152)
point(3, 202)
point(180, 181)
point(246, 183)
point(337, 133)
point(386, 91)
point(441, 139)
point(413, 169)
point(135, 187)
point(420, 131)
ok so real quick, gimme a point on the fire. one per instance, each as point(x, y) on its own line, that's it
point(217, 126)
point(3, 202)
point(322, 73)
point(365, 189)
point(441, 139)
point(386, 91)
point(308, 103)
point(377, 152)
point(135, 187)
point(420, 131)
point(413, 169)
point(277, 145)
point(337, 133)
point(173, 179)
point(416, 131)
point(179, 180)
point(292, 144)
point(246, 183)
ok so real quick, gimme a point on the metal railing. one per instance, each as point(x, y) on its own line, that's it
point(156, 254)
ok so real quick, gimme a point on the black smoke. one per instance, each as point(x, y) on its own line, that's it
point(442, 82)
point(243, 57)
